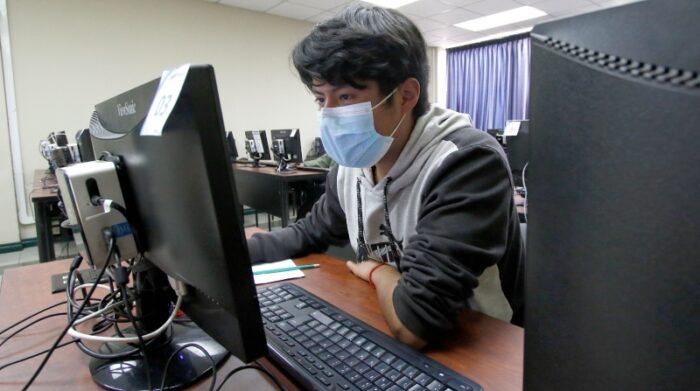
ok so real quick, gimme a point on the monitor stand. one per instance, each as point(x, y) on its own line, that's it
point(129, 373)
point(256, 159)
point(283, 165)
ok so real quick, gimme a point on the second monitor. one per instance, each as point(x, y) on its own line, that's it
point(286, 146)
point(256, 146)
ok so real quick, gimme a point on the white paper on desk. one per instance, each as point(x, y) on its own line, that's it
point(272, 277)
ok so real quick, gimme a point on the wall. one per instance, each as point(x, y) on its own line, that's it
point(69, 55)
point(9, 228)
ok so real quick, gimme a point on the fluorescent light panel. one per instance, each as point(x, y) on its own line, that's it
point(390, 3)
point(501, 19)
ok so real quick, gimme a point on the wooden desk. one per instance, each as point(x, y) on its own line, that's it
point(484, 349)
point(44, 196)
point(264, 189)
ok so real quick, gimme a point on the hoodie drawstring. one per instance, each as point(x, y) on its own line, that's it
point(363, 249)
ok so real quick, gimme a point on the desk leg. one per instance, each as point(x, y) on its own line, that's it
point(284, 198)
point(44, 234)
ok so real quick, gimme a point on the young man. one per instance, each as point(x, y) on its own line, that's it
point(425, 199)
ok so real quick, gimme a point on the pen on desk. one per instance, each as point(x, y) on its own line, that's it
point(287, 269)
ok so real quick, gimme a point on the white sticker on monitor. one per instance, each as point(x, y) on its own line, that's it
point(166, 97)
point(258, 142)
point(294, 133)
point(512, 128)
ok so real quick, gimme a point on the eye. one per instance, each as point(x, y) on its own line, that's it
point(345, 97)
point(320, 101)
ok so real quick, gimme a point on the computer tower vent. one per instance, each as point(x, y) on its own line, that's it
point(649, 72)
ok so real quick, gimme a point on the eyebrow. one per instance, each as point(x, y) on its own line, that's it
point(333, 89)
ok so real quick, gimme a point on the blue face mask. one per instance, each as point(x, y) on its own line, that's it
point(349, 136)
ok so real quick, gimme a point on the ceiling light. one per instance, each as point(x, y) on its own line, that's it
point(501, 19)
point(390, 3)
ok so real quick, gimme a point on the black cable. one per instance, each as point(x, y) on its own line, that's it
point(34, 355)
point(122, 287)
point(112, 248)
point(19, 330)
point(181, 348)
point(251, 366)
point(31, 316)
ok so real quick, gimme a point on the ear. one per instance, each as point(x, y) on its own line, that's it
point(409, 93)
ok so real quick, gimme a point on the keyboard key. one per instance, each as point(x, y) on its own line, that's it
point(353, 349)
point(458, 385)
point(301, 305)
point(329, 373)
point(383, 383)
point(352, 376)
point(399, 365)
point(343, 330)
point(417, 387)
point(368, 346)
point(336, 338)
point(342, 355)
point(334, 362)
point(285, 326)
point(363, 384)
point(343, 384)
point(410, 371)
point(423, 379)
point(352, 361)
point(381, 368)
point(378, 352)
point(351, 335)
point(393, 375)
point(388, 358)
point(323, 380)
point(344, 343)
point(405, 383)
point(334, 349)
point(372, 375)
point(361, 367)
point(321, 317)
point(362, 355)
point(343, 369)
point(436, 386)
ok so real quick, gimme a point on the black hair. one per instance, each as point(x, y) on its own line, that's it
point(365, 43)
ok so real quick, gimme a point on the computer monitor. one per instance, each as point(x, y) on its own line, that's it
point(612, 278)
point(231, 144)
point(518, 148)
point(256, 146)
point(179, 187)
point(286, 146)
point(84, 142)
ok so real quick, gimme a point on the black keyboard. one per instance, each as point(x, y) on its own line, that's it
point(324, 348)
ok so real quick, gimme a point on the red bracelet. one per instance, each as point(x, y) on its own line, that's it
point(370, 274)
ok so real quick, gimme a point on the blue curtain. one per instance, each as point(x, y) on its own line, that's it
point(491, 83)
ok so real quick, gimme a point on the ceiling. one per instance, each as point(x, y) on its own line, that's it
point(435, 18)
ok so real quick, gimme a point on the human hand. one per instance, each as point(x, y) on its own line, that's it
point(362, 269)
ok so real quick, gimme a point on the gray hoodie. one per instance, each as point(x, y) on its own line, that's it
point(444, 216)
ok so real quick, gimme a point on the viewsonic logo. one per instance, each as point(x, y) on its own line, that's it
point(127, 108)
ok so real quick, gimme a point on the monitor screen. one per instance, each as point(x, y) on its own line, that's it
point(518, 145)
point(612, 278)
point(231, 144)
point(180, 188)
point(256, 143)
point(286, 143)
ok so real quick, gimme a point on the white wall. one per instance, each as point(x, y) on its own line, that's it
point(69, 55)
point(9, 228)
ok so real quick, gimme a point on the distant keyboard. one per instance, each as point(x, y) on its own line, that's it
point(321, 169)
point(324, 348)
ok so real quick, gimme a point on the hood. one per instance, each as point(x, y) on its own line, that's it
point(430, 129)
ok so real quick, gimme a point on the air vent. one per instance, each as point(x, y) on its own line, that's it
point(653, 73)
point(99, 131)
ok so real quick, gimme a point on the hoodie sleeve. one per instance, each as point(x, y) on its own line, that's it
point(323, 225)
point(462, 228)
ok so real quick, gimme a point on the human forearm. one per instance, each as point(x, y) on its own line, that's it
point(385, 280)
